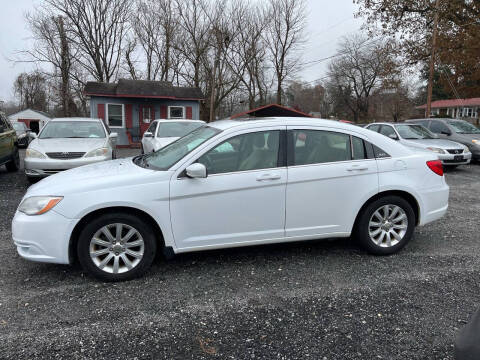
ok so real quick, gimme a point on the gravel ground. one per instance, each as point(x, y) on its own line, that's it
point(310, 300)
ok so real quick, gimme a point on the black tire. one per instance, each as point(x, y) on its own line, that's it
point(361, 230)
point(14, 164)
point(144, 228)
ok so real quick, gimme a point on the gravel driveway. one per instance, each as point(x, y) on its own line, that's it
point(310, 300)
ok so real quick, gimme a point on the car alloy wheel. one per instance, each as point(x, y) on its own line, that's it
point(388, 225)
point(117, 248)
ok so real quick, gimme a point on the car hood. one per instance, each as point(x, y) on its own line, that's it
point(439, 143)
point(103, 175)
point(67, 145)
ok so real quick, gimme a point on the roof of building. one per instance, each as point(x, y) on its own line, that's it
point(452, 103)
point(271, 110)
point(143, 89)
point(36, 111)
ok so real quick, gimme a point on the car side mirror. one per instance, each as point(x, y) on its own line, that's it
point(32, 135)
point(196, 170)
point(148, 134)
point(446, 132)
point(393, 136)
point(113, 135)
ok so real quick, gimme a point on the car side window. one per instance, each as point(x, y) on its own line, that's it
point(379, 153)
point(438, 127)
point(318, 146)
point(387, 130)
point(375, 128)
point(359, 149)
point(252, 151)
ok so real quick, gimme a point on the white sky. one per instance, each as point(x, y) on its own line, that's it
point(328, 21)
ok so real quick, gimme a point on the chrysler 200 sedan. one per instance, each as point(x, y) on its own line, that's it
point(65, 143)
point(229, 184)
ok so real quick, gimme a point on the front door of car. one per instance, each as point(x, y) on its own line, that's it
point(242, 199)
point(330, 176)
point(148, 141)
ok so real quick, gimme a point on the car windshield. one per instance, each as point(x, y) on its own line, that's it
point(72, 129)
point(169, 155)
point(463, 127)
point(414, 132)
point(19, 126)
point(177, 128)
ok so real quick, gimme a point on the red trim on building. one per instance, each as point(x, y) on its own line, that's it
point(281, 107)
point(128, 116)
point(189, 114)
point(143, 96)
point(101, 111)
point(163, 112)
point(452, 103)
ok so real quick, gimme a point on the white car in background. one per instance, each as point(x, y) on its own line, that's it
point(229, 184)
point(66, 143)
point(163, 132)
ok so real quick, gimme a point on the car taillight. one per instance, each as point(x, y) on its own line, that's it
point(436, 166)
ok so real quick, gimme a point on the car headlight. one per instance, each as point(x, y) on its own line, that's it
point(436, 150)
point(37, 205)
point(466, 150)
point(34, 154)
point(97, 152)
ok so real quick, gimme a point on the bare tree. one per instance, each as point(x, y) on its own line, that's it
point(360, 69)
point(31, 89)
point(98, 28)
point(284, 36)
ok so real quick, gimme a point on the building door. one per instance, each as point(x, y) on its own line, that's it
point(35, 126)
point(146, 116)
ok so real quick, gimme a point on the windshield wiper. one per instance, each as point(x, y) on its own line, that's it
point(140, 161)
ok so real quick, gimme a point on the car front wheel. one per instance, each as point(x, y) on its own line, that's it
point(117, 247)
point(386, 225)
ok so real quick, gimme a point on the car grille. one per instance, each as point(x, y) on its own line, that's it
point(455, 151)
point(65, 155)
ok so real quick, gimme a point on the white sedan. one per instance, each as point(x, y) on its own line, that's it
point(228, 184)
point(160, 133)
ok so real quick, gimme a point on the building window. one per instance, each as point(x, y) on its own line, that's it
point(176, 112)
point(468, 112)
point(146, 114)
point(115, 116)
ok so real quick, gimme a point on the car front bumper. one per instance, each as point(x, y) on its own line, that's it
point(47, 166)
point(43, 238)
point(449, 159)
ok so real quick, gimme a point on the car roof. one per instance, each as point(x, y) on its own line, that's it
point(79, 119)
point(179, 120)
point(287, 121)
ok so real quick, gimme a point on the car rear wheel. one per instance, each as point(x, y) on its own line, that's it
point(14, 163)
point(117, 247)
point(386, 225)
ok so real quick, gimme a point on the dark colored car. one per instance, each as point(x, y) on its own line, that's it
point(457, 130)
point(23, 136)
point(9, 155)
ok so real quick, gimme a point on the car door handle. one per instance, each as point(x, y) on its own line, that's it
point(357, 168)
point(266, 177)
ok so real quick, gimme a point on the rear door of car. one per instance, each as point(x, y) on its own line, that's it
point(331, 174)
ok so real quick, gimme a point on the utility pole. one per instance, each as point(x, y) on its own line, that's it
point(432, 60)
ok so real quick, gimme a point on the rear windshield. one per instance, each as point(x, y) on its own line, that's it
point(414, 132)
point(19, 126)
point(177, 128)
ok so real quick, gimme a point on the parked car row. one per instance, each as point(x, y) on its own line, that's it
point(224, 184)
point(420, 138)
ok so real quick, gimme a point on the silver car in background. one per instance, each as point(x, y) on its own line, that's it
point(416, 136)
point(160, 133)
point(66, 143)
